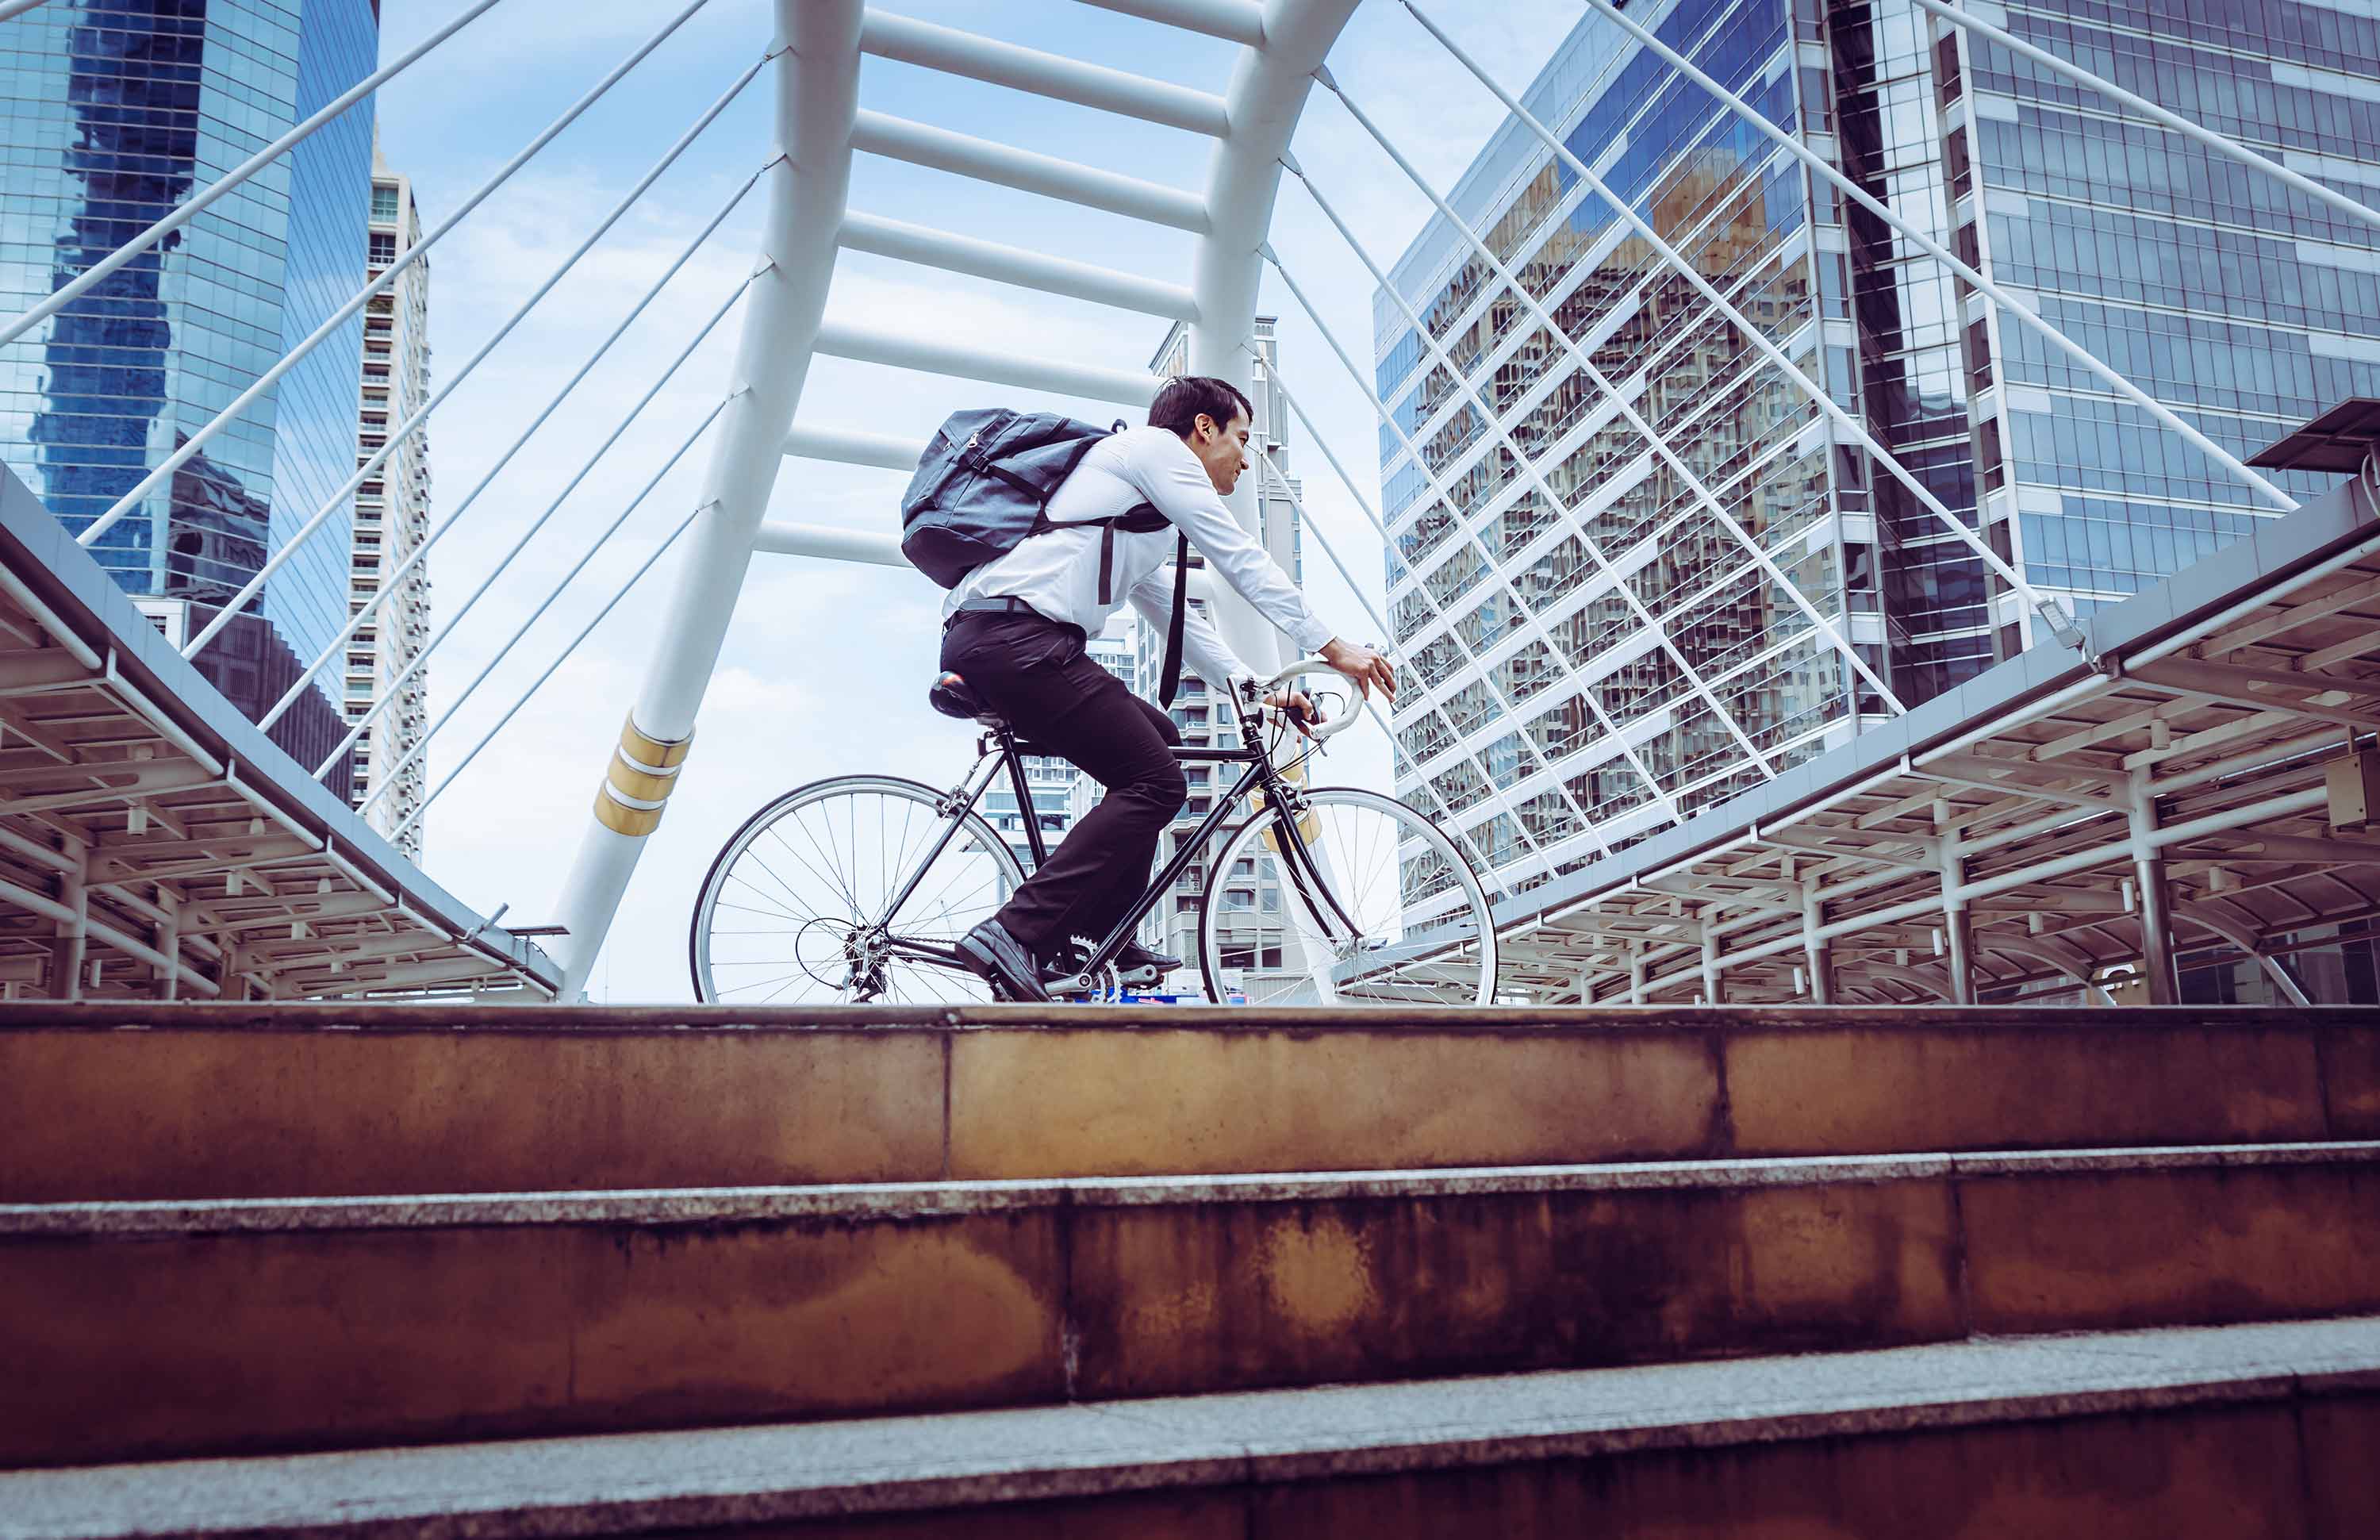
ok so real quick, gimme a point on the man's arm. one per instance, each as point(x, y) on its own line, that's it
point(1176, 485)
point(1202, 646)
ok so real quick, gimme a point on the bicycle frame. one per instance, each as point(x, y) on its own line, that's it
point(1000, 748)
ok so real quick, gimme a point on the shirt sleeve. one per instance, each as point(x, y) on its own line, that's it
point(1202, 646)
point(1162, 469)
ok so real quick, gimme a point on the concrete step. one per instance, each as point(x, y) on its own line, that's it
point(149, 1102)
point(149, 1330)
point(2169, 1435)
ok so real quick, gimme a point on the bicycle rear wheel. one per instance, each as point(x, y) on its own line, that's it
point(793, 911)
point(1367, 904)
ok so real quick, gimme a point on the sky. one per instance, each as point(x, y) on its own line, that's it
point(825, 667)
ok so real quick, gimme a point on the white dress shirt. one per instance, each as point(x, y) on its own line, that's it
point(1057, 571)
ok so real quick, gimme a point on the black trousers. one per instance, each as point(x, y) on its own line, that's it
point(1037, 673)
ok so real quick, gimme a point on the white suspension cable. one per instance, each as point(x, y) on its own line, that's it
point(1943, 254)
point(602, 448)
point(1273, 477)
point(597, 544)
point(2059, 625)
point(2148, 109)
point(16, 7)
point(1653, 788)
point(197, 203)
point(421, 550)
point(271, 377)
point(1505, 705)
point(1648, 364)
point(538, 683)
point(1396, 750)
point(1535, 626)
point(412, 424)
point(1622, 587)
point(1663, 446)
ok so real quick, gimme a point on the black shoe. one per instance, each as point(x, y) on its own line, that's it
point(1135, 958)
point(989, 950)
point(1135, 964)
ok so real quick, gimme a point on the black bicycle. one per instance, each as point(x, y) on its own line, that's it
point(853, 890)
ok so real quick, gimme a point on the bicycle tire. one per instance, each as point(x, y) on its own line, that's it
point(709, 897)
point(1467, 974)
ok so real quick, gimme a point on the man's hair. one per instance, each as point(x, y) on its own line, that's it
point(1181, 399)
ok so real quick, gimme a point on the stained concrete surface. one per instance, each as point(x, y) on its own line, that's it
point(2182, 1432)
point(140, 1331)
point(198, 1102)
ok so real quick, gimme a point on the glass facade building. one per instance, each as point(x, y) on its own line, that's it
point(116, 111)
point(1598, 655)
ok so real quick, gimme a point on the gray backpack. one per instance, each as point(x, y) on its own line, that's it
point(984, 484)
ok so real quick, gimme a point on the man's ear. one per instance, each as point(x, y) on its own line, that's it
point(1203, 426)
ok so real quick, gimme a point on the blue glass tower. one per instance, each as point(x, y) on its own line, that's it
point(1590, 673)
point(116, 111)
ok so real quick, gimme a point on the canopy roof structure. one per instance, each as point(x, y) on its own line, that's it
point(153, 844)
point(1992, 841)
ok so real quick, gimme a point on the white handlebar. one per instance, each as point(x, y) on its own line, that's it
point(1304, 666)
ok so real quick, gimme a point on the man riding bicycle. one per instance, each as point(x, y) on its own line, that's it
point(1015, 629)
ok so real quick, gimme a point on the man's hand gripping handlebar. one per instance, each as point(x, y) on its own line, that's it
point(1364, 665)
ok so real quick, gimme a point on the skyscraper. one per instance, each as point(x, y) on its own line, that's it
point(117, 110)
point(1596, 665)
point(1172, 926)
point(392, 516)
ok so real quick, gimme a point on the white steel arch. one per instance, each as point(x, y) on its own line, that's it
point(816, 71)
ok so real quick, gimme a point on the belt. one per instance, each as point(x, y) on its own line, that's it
point(991, 607)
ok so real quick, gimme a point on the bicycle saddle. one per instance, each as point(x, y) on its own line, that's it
point(951, 697)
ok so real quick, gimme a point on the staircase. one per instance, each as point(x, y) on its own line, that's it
point(1757, 1272)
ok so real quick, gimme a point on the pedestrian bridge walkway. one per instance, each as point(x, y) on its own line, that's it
point(2156, 781)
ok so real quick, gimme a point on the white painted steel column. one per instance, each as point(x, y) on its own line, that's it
point(1714, 982)
point(169, 942)
point(1817, 956)
point(2156, 907)
point(1267, 92)
point(1958, 925)
point(818, 85)
point(73, 943)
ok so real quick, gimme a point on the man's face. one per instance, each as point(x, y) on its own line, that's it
point(1223, 450)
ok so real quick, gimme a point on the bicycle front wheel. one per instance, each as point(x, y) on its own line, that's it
point(797, 908)
point(1361, 901)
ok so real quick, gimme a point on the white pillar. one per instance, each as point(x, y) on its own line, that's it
point(2154, 910)
point(169, 942)
point(1958, 925)
point(817, 80)
point(1267, 92)
point(1818, 959)
point(73, 943)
